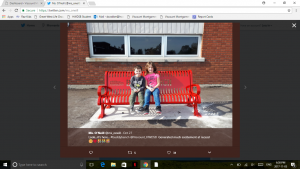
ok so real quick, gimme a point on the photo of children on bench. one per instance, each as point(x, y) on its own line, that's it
point(178, 92)
point(150, 75)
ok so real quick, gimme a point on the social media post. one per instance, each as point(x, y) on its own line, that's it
point(149, 84)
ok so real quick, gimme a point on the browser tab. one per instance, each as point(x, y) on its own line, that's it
point(66, 4)
point(9, 3)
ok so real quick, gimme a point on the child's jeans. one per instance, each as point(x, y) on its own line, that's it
point(133, 95)
point(155, 95)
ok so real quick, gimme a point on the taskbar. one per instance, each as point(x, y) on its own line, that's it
point(149, 163)
point(189, 164)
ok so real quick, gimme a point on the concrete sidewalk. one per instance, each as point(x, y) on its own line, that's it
point(216, 111)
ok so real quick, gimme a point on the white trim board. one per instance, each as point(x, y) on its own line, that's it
point(145, 59)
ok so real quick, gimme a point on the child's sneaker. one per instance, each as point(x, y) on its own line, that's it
point(141, 109)
point(158, 109)
point(146, 109)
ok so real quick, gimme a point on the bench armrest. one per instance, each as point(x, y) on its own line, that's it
point(191, 90)
point(100, 88)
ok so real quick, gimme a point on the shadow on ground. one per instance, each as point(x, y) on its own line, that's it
point(205, 109)
point(215, 108)
point(216, 111)
point(168, 123)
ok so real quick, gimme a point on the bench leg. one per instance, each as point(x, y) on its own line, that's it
point(102, 112)
point(196, 112)
point(107, 106)
point(190, 105)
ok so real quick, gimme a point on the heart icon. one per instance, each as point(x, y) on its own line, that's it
point(91, 152)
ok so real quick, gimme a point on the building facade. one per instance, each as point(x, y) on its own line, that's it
point(204, 48)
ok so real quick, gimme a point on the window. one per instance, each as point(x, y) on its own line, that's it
point(162, 47)
point(145, 45)
point(107, 45)
point(112, 45)
point(182, 45)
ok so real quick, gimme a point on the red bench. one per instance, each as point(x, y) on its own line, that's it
point(176, 88)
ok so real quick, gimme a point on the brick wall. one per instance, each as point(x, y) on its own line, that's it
point(216, 49)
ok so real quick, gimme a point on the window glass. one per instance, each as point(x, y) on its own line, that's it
point(182, 45)
point(145, 45)
point(108, 45)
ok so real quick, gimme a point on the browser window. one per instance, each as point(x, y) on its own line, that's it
point(149, 84)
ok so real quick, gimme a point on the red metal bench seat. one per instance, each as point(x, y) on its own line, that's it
point(176, 88)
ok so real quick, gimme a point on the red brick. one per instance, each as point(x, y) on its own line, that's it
point(216, 49)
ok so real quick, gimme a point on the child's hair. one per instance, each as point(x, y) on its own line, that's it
point(138, 67)
point(153, 65)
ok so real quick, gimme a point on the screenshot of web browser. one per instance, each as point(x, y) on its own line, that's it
point(149, 84)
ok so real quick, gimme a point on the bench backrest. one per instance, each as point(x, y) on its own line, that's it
point(171, 81)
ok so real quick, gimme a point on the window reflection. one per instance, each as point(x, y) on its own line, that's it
point(182, 45)
point(108, 45)
point(145, 45)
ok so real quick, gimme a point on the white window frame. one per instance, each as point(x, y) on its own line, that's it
point(106, 55)
point(127, 57)
point(198, 49)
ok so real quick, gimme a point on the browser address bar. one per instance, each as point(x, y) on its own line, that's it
point(156, 10)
